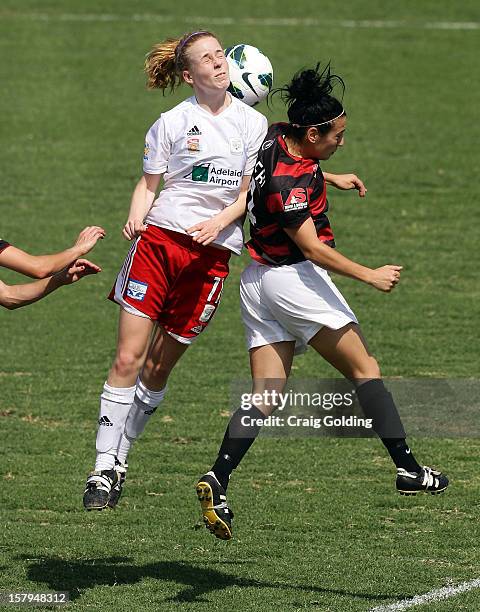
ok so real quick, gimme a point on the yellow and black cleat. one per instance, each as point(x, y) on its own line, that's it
point(217, 516)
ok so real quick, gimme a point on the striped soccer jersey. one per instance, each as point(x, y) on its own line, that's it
point(285, 191)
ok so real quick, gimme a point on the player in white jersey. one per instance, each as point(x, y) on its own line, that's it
point(172, 279)
point(53, 271)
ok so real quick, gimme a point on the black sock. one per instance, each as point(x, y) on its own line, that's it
point(236, 442)
point(377, 404)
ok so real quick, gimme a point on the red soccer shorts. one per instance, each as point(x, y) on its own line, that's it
point(169, 278)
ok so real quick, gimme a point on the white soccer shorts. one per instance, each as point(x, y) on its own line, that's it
point(290, 303)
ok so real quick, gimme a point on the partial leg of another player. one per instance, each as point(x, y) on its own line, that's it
point(117, 396)
point(347, 351)
point(270, 366)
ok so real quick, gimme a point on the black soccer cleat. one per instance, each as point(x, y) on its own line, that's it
point(98, 488)
point(428, 481)
point(116, 490)
point(217, 516)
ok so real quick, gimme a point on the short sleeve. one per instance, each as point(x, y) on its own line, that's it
point(257, 133)
point(3, 245)
point(157, 148)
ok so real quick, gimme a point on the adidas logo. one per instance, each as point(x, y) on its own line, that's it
point(105, 421)
point(194, 131)
point(151, 411)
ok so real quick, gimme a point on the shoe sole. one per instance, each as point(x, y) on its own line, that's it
point(421, 491)
point(212, 521)
point(90, 508)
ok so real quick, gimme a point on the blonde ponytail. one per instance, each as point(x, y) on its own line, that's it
point(166, 61)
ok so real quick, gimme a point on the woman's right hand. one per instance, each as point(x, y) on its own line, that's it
point(385, 278)
point(133, 228)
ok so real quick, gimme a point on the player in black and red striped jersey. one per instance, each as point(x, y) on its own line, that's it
point(290, 302)
point(285, 191)
point(53, 270)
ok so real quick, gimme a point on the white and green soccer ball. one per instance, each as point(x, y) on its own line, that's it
point(251, 73)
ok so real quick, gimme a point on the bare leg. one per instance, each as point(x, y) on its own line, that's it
point(134, 334)
point(270, 366)
point(346, 350)
point(163, 353)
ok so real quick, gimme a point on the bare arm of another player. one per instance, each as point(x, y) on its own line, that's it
point(15, 296)
point(142, 200)
point(305, 237)
point(346, 182)
point(207, 231)
point(44, 266)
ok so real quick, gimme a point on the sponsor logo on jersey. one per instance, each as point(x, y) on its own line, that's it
point(197, 329)
point(199, 173)
point(208, 173)
point(194, 131)
point(136, 290)
point(207, 313)
point(146, 150)
point(236, 146)
point(295, 199)
point(193, 145)
point(267, 144)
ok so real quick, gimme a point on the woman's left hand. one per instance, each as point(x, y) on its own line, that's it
point(206, 231)
point(347, 181)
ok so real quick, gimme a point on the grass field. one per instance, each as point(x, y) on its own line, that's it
point(318, 524)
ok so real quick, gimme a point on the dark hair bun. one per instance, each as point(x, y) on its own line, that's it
point(309, 99)
point(311, 86)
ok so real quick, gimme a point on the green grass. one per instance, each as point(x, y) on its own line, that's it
point(317, 524)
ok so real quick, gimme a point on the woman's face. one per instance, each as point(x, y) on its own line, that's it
point(207, 69)
point(323, 146)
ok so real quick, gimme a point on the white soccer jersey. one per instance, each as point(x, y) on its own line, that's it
point(203, 158)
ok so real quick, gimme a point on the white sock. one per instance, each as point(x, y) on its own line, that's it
point(114, 406)
point(144, 405)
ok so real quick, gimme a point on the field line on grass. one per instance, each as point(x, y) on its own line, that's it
point(433, 596)
point(256, 21)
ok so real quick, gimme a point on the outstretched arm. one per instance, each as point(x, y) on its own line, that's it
point(43, 266)
point(205, 232)
point(346, 182)
point(305, 237)
point(15, 296)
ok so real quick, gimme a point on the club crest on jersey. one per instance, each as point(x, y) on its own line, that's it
point(136, 290)
point(193, 145)
point(146, 150)
point(295, 199)
point(236, 146)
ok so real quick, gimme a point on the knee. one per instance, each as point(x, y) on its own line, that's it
point(127, 363)
point(367, 369)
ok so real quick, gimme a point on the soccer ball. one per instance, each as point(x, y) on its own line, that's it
point(251, 73)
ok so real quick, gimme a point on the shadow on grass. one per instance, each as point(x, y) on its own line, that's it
point(197, 580)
